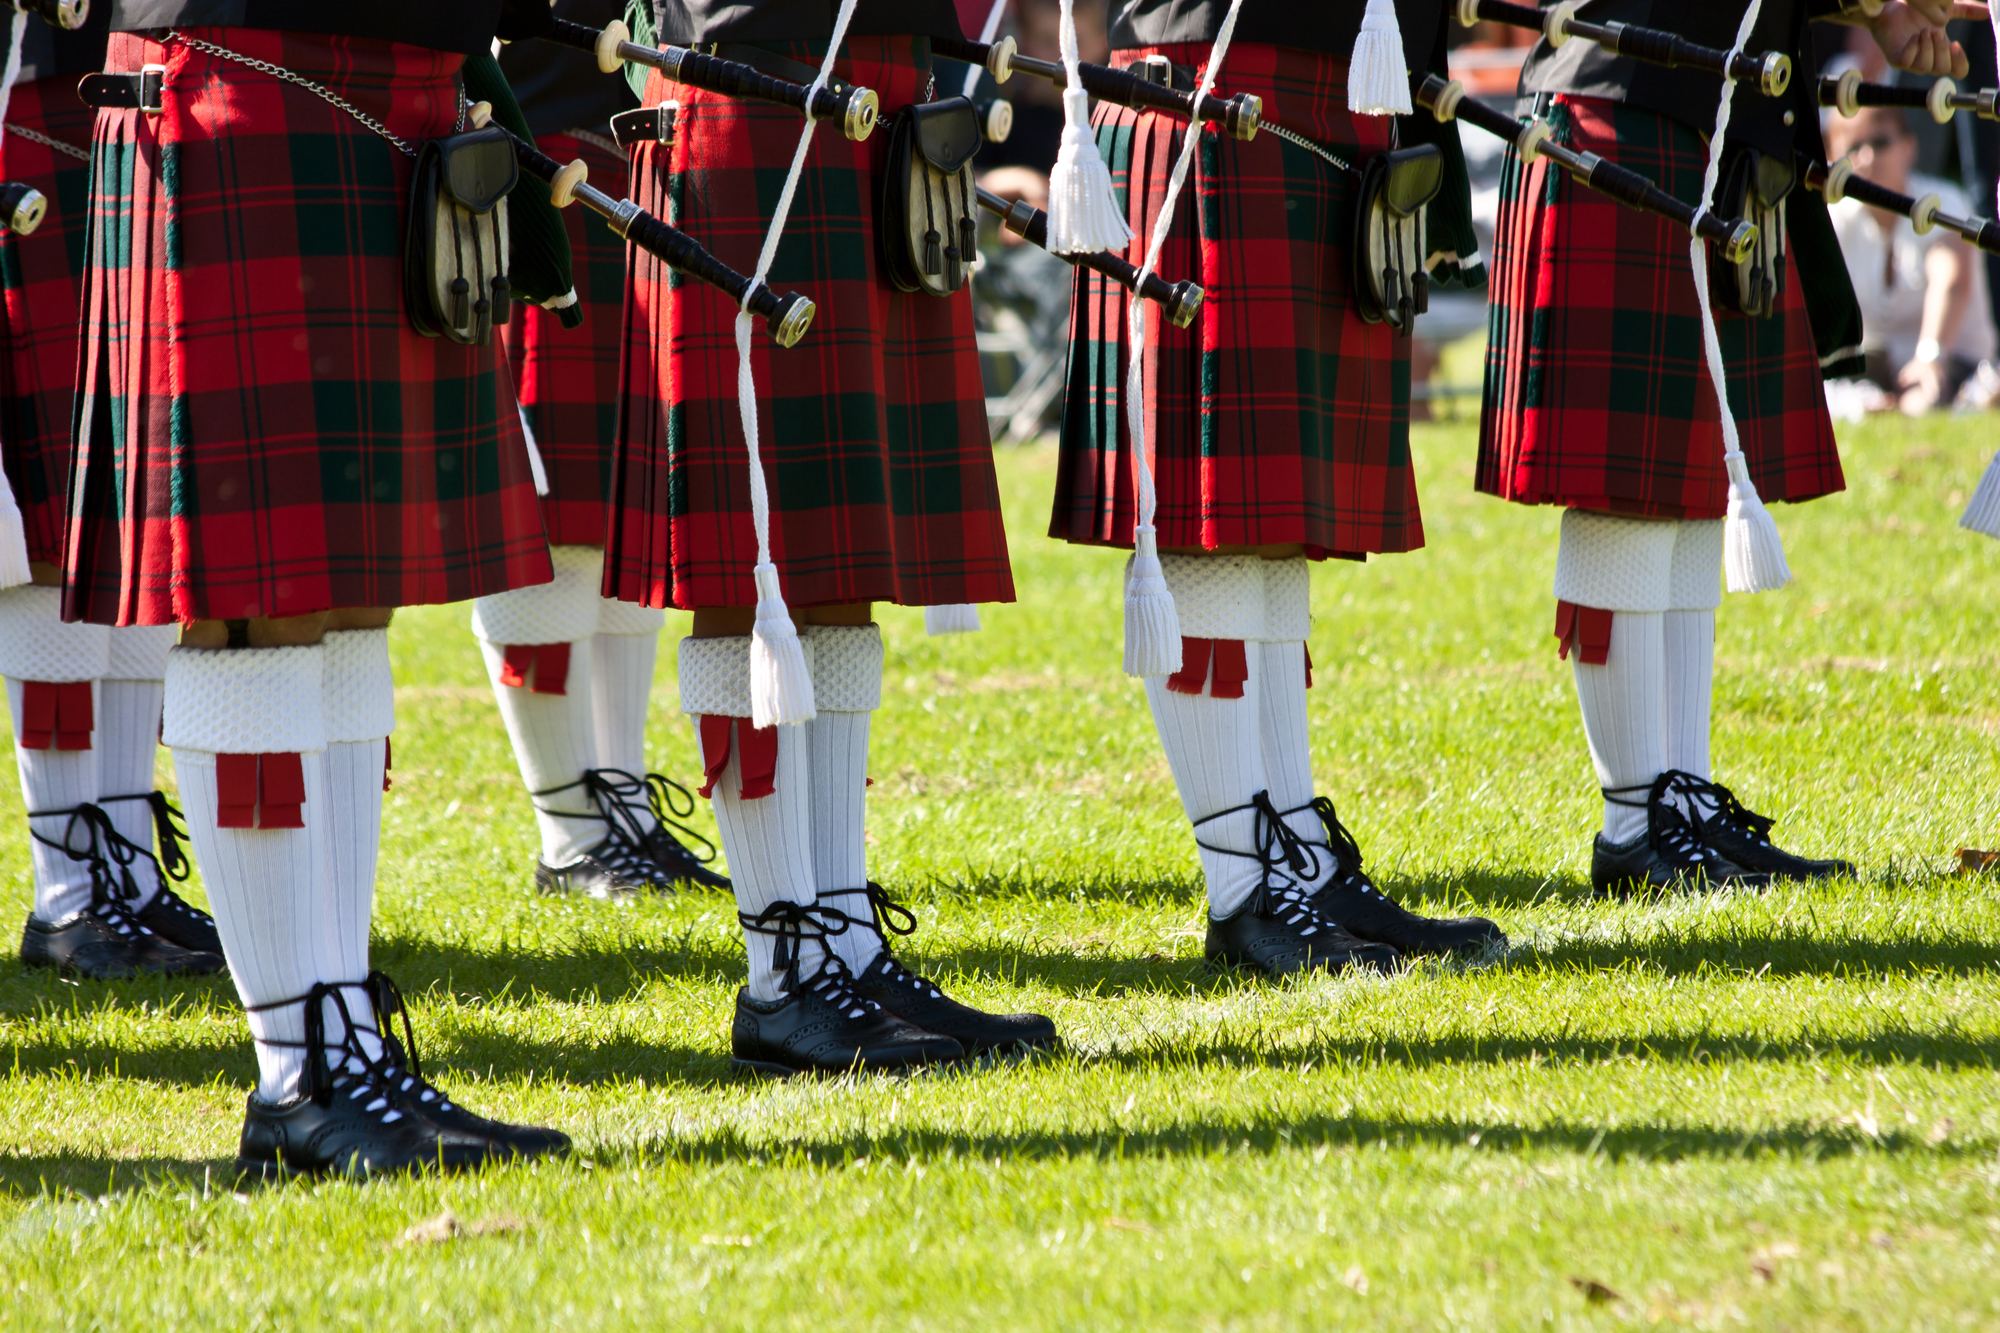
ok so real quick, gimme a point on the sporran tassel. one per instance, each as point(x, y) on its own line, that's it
point(1378, 79)
point(1983, 514)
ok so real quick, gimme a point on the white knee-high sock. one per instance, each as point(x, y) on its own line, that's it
point(1281, 691)
point(53, 671)
point(847, 688)
point(1694, 591)
point(555, 743)
point(269, 886)
point(1210, 725)
point(767, 838)
point(56, 782)
point(549, 711)
point(360, 715)
point(623, 654)
point(128, 736)
point(1622, 566)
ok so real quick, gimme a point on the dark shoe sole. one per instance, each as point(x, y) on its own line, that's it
point(1224, 961)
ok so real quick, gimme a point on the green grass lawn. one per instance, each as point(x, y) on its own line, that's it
point(1770, 1111)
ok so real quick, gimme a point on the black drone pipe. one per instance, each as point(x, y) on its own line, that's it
point(786, 318)
point(1447, 100)
point(1849, 93)
point(1180, 300)
point(1837, 181)
point(1240, 114)
point(855, 109)
point(1769, 73)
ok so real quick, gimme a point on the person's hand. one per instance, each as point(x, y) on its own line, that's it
point(1922, 383)
point(1912, 38)
point(1022, 183)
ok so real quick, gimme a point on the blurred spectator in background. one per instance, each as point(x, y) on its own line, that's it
point(1925, 317)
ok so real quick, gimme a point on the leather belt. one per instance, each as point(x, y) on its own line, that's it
point(649, 124)
point(139, 92)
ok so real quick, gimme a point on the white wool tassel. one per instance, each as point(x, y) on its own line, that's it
point(951, 618)
point(1753, 557)
point(781, 689)
point(1152, 627)
point(1378, 78)
point(1983, 514)
point(13, 528)
point(1084, 216)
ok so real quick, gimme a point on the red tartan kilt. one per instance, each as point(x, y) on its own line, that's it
point(567, 379)
point(1282, 416)
point(873, 429)
point(43, 280)
point(1597, 389)
point(261, 433)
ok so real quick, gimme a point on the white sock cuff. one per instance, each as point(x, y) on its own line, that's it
point(1694, 579)
point(715, 675)
point(846, 667)
point(359, 690)
point(616, 617)
point(562, 610)
point(245, 700)
point(139, 652)
point(36, 644)
point(1217, 596)
point(1614, 564)
point(1287, 600)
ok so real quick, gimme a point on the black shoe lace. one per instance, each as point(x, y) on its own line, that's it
point(1702, 792)
point(387, 998)
point(1286, 858)
point(885, 916)
point(791, 925)
point(1346, 849)
point(618, 800)
point(1675, 836)
point(343, 1067)
point(109, 856)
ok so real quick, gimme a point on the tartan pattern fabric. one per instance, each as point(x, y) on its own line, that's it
point(1597, 392)
point(1282, 416)
point(259, 430)
point(567, 379)
point(873, 429)
point(42, 278)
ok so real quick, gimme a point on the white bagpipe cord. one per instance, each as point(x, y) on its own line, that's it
point(1753, 558)
point(781, 688)
point(972, 72)
point(1152, 629)
point(13, 528)
point(1378, 78)
point(1084, 216)
point(1983, 513)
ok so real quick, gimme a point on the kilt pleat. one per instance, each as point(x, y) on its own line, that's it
point(567, 379)
point(1597, 393)
point(42, 278)
point(259, 430)
point(1282, 416)
point(873, 429)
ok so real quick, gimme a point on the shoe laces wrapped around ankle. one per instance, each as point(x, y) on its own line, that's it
point(620, 801)
point(387, 998)
point(885, 917)
point(109, 857)
point(340, 1067)
point(791, 924)
point(1285, 856)
point(1675, 835)
point(1711, 802)
point(1345, 847)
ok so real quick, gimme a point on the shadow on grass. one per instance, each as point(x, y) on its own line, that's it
point(1479, 887)
point(92, 1175)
